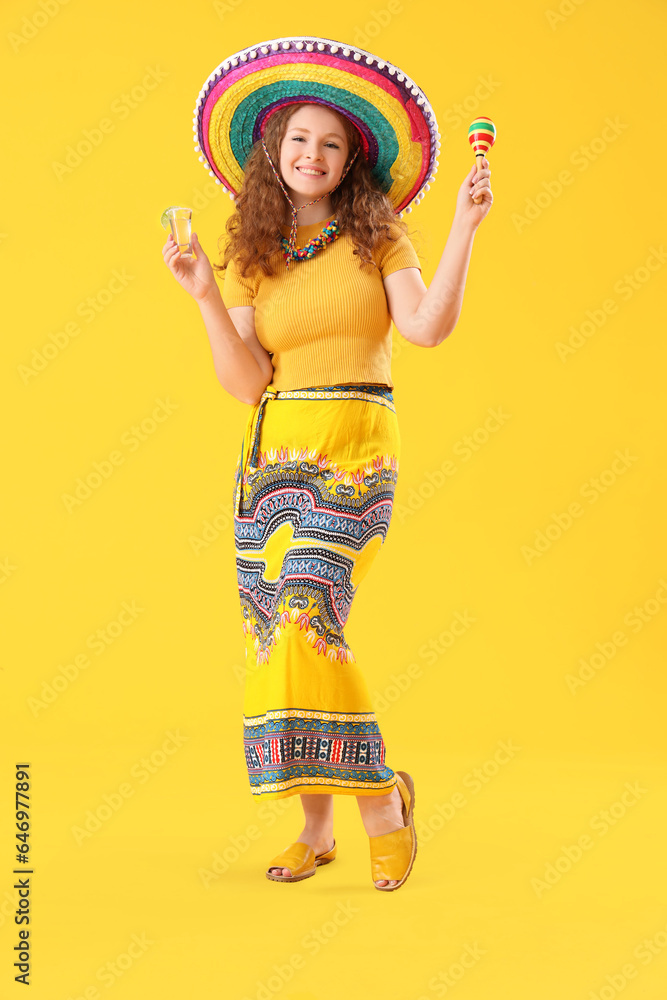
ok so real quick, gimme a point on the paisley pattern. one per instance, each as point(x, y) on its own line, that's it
point(308, 524)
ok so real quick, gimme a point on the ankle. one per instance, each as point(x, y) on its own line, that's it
point(320, 837)
point(318, 830)
point(384, 815)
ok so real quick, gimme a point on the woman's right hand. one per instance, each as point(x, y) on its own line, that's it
point(195, 274)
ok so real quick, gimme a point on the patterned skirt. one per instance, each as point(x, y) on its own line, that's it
point(313, 496)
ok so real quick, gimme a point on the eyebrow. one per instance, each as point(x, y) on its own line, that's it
point(298, 128)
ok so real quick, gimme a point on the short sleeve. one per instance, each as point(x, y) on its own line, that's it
point(237, 290)
point(393, 255)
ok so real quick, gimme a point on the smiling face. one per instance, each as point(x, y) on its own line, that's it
point(313, 154)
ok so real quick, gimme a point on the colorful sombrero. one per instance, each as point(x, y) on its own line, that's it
point(396, 123)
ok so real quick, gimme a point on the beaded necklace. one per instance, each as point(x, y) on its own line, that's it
point(292, 253)
point(328, 234)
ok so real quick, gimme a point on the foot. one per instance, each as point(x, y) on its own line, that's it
point(383, 814)
point(318, 840)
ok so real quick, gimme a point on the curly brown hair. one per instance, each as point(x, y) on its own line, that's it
point(363, 210)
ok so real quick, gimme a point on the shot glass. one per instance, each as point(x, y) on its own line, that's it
point(179, 220)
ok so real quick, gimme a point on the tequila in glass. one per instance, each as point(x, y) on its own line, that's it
point(179, 220)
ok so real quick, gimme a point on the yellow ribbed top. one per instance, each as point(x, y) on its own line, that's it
point(325, 320)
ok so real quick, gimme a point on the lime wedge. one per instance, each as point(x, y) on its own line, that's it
point(164, 219)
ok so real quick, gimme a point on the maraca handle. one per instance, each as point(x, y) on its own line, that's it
point(478, 197)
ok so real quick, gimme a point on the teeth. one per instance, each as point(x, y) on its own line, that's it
point(315, 173)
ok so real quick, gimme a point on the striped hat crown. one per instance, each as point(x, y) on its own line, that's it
point(397, 126)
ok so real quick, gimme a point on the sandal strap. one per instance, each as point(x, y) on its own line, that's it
point(328, 855)
point(391, 853)
point(405, 796)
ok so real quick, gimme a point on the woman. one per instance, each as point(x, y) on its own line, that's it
point(304, 336)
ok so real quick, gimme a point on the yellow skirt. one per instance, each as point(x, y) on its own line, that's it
point(313, 497)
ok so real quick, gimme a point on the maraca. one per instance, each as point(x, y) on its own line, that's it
point(481, 136)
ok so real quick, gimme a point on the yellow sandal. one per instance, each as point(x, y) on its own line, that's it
point(393, 854)
point(301, 860)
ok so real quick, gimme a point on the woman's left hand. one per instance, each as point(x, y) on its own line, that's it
point(477, 182)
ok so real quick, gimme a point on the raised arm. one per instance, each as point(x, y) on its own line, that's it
point(426, 316)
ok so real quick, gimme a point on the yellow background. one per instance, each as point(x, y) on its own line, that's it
point(133, 896)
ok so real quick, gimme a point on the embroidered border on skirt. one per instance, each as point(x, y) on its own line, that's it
point(307, 519)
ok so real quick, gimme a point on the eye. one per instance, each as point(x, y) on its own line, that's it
point(298, 137)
